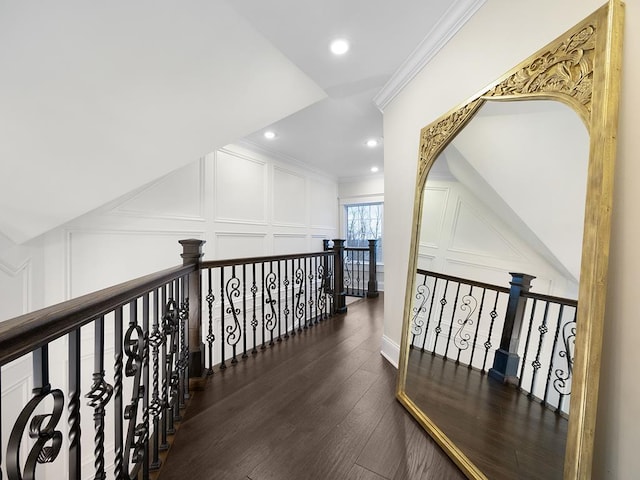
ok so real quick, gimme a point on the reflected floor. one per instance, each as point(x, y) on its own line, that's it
point(506, 435)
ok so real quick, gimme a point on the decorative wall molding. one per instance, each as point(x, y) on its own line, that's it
point(123, 210)
point(452, 21)
point(298, 198)
point(24, 271)
point(218, 199)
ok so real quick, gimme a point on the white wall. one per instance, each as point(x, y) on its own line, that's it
point(501, 34)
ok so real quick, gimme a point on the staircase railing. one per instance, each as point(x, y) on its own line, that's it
point(514, 335)
point(121, 361)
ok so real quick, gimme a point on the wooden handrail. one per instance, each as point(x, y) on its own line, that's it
point(272, 258)
point(23, 334)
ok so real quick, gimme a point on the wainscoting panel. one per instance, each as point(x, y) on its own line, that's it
point(177, 196)
point(15, 288)
point(433, 216)
point(289, 198)
point(237, 245)
point(289, 243)
point(323, 202)
point(240, 188)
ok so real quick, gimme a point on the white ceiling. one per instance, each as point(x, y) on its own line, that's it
point(99, 98)
point(331, 134)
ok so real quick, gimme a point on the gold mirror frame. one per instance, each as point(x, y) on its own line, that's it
point(581, 69)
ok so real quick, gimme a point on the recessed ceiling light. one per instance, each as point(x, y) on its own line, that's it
point(269, 134)
point(374, 169)
point(339, 46)
point(372, 142)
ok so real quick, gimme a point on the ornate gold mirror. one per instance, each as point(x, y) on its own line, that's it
point(502, 370)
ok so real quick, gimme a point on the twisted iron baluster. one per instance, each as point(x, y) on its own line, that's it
point(117, 394)
point(210, 336)
point(75, 461)
point(99, 396)
point(156, 340)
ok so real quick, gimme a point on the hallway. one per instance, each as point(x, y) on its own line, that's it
point(318, 406)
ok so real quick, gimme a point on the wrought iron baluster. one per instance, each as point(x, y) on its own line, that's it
point(254, 319)
point(453, 314)
point(176, 348)
point(232, 291)
point(99, 396)
point(561, 383)
point(156, 340)
point(286, 311)
point(75, 461)
point(210, 336)
point(271, 317)
point(438, 329)
point(527, 342)
point(279, 318)
point(475, 336)
point(543, 329)
point(117, 393)
point(222, 317)
point(300, 306)
point(487, 344)
point(170, 379)
point(553, 351)
point(421, 296)
point(461, 337)
point(426, 329)
point(145, 384)
point(42, 428)
point(137, 434)
point(166, 369)
point(313, 307)
point(321, 302)
point(244, 311)
point(263, 281)
point(184, 341)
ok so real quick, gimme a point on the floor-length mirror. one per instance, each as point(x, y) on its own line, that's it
point(506, 196)
point(506, 283)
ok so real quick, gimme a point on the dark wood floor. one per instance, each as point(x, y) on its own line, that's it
point(501, 431)
point(319, 406)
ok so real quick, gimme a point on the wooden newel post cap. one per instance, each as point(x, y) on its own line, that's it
point(191, 250)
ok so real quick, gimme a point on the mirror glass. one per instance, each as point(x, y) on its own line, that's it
point(507, 195)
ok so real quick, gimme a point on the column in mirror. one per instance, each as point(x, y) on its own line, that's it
point(507, 195)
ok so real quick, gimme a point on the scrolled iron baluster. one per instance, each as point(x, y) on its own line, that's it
point(234, 332)
point(422, 295)
point(272, 316)
point(135, 349)
point(300, 305)
point(169, 328)
point(156, 341)
point(321, 301)
point(461, 338)
point(286, 311)
point(42, 451)
point(561, 382)
point(99, 396)
point(183, 357)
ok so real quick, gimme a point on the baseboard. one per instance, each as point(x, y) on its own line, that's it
point(390, 350)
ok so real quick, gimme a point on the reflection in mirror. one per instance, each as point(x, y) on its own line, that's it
point(491, 354)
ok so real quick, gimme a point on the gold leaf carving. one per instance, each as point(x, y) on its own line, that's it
point(441, 132)
point(565, 69)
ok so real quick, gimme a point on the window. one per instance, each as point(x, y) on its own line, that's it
point(364, 222)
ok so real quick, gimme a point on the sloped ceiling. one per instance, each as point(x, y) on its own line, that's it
point(98, 98)
point(528, 161)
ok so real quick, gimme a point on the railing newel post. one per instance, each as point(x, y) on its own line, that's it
point(192, 255)
point(338, 276)
point(372, 287)
point(506, 358)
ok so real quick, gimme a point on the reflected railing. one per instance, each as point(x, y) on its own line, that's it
point(515, 336)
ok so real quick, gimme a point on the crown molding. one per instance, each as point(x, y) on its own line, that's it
point(452, 21)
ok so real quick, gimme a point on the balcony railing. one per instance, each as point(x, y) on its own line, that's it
point(118, 364)
point(514, 335)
